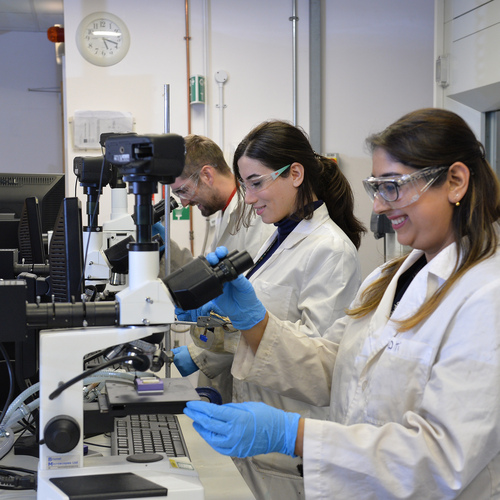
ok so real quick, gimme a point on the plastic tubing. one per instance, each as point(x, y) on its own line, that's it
point(8, 443)
point(97, 377)
point(22, 412)
point(20, 399)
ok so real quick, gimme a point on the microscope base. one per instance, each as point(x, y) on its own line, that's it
point(177, 476)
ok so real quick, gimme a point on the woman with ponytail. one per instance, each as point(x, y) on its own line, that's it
point(307, 273)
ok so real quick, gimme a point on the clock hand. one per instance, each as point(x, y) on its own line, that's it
point(110, 41)
point(104, 40)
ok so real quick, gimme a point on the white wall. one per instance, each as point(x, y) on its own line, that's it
point(378, 64)
point(31, 121)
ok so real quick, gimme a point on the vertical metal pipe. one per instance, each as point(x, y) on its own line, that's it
point(188, 70)
point(315, 76)
point(294, 20)
point(166, 218)
point(166, 129)
point(188, 66)
point(205, 62)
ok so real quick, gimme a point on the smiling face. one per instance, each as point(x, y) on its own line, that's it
point(425, 224)
point(277, 200)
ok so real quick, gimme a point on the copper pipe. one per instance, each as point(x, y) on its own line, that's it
point(188, 70)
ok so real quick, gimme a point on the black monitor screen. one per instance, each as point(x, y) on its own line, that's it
point(48, 188)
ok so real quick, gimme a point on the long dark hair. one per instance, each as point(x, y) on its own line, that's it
point(432, 137)
point(278, 143)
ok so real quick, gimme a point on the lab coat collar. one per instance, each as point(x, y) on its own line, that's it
point(304, 228)
point(427, 281)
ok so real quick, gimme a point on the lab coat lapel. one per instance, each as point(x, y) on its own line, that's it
point(383, 311)
point(303, 229)
point(426, 283)
point(428, 280)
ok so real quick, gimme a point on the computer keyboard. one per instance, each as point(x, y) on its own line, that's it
point(137, 434)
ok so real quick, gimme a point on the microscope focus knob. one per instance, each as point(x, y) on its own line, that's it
point(61, 434)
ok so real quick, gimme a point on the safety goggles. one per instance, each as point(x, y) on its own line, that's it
point(401, 191)
point(187, 192)
point(261, 182)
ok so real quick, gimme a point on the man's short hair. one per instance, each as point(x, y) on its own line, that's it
point(201, 151)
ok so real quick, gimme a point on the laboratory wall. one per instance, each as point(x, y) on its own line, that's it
point(31, 137)
point(377, 64)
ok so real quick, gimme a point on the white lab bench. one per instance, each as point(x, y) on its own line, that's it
point(218, 474)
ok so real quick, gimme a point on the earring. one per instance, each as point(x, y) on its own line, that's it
point(457, 204)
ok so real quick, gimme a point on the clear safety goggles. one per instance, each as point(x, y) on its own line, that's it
point(261, 182)
point(401, 191)
point(186, 192)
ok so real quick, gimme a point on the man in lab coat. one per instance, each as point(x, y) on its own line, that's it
point(208, 183)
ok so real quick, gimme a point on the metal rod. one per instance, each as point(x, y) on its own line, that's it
point(294, 20)
point(166, 194)
point(188, 70)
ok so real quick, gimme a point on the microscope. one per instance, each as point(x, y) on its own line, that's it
point(94, 173)
point(144, 308)
point(107, 268)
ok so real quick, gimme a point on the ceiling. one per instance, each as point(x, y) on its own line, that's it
point(30, 15)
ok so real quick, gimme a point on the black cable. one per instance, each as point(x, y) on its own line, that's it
point(7, 468)
point(140, 358)
point(107, 446)
point(11, 480)
point(11, 381)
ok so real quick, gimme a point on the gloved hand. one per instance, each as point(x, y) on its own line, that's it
point(158, 228)
point(239, 301)
point(183, 361)
point(214, 258)
point(193, 314)
point(244, 429)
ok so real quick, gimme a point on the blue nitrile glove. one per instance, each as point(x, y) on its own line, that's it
point(183, 361)
point(239, 301)
point(193, 314)
point(158, 228)
point(244, 429)
point(214, 258)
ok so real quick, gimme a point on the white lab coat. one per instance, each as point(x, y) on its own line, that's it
point(413, 414)
point(221, 232)
point(309, 280)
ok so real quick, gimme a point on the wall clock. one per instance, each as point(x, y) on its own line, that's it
point(103, 39)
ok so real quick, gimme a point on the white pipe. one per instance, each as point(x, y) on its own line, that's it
point(294, 20)
point(221, 78)
point(205, 62)
point(221, 116)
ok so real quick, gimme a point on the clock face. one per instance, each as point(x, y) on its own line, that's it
point(103, 39)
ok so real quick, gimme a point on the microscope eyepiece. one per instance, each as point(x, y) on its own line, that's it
point(198, 282)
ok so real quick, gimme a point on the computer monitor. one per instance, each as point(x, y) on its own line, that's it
point(66, 253)
point(30, 236)
point(48, 188)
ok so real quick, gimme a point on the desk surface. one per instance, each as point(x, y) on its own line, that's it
point(218, 474)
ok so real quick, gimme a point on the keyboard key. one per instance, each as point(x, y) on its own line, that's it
point(136, 434)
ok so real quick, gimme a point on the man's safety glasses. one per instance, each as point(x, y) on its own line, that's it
point(187, 192)
point(401, 191)
point(261, 182)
